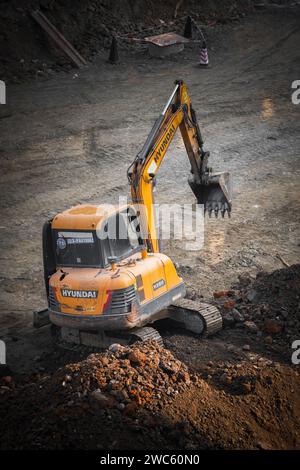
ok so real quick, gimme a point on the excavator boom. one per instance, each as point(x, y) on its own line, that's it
point(212, 190)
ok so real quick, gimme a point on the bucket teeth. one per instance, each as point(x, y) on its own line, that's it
point(217, 207)
point(215, 193)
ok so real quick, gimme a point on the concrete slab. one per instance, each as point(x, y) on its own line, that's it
point(165, 44)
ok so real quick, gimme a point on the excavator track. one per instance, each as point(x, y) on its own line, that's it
point(145, 334)
point(198, 317)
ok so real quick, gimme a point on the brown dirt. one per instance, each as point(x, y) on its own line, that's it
point(104, 400)
point(142, 397)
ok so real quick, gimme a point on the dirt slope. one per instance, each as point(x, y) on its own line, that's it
point(26, 52)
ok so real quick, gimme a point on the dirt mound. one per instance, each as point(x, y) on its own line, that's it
point(142, 397)
point(143, 376)
point(124, 378)
point(242, 406)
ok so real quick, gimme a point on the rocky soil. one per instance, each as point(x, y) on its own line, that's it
point(143, 396)
point(26, 52)
point(267, 307)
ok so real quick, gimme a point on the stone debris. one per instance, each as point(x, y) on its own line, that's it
point(138, 374)
point(251, 326)
point(267, 307)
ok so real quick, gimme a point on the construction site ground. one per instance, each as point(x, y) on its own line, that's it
point(68, 140)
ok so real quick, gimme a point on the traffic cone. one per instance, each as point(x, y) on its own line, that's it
point(204, 54)
point(113, 53)
point(188, 29)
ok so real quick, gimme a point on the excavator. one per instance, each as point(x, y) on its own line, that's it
point(104, 288)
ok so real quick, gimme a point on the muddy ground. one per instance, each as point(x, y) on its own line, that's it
point(70, 139)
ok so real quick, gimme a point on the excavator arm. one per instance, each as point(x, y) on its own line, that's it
point(211, 190)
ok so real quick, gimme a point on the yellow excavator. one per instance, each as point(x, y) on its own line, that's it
point(103, 287)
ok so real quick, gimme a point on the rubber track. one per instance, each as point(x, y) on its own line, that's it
point(148, 333)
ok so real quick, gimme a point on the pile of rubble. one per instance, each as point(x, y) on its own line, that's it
point(86, 403)
point(267, 306)
point(124, 377)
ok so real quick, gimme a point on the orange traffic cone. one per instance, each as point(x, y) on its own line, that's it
point(113, 53)
point(204, 55)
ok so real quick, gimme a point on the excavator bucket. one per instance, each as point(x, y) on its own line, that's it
point(214, 193)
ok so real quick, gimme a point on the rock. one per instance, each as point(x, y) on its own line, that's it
point(229, 304)
point(184, 376)
point(268, 340)
point(8, 380)
point(221, 293)
point(251, 326)
point(263, 445)
point(226, 379)
point(246, 347)
point(124, 394)
point(117, 394)
point(273, 327)
point(102, 399)
point(113, 385)
point(116, 347)
point(237, 315)
point(252, 295)
point(105, 361)
point(228, 319)
point(121, 406)
point(137, 357)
